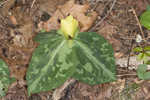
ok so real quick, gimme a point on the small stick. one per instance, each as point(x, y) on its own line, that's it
point(3, 2)
point(59, 92)
point(33, 3)
point(126, 75)
point(113, 4)
point(138, 22)
point(130, 50)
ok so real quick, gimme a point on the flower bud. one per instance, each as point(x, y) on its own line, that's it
point(69, 26)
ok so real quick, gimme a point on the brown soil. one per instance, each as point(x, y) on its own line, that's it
point(21, 20)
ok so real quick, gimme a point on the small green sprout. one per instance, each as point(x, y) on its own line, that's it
point(143, 54)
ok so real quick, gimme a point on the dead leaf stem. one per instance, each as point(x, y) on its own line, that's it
point(138, 22)
point(33, 3)
point(1, 4)
point(113, 4)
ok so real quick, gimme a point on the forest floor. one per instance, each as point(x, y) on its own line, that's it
point(116, 20)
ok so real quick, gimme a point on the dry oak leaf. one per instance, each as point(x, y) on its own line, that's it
point(76, 10)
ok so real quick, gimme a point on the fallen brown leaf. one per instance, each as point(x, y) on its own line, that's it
point(16, 40)
point(49, 6)
point(13, 20)
point(76, 10)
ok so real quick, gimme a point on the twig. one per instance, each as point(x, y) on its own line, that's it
point(138, 22)
point(130, 50)
point(58, 93)
point(33, 3)
point(113, 4)
point(127, 75)
point(3, 2)
point(122, 70)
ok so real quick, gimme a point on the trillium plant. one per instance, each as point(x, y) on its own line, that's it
point(68, 53)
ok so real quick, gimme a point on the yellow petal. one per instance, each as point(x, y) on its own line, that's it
point(69, 26)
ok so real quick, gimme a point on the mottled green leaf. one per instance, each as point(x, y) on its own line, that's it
point(141, 72)
point(52, 63)
point(5, 80)
point(88, 57)
point(95, 54)
point(145, 19)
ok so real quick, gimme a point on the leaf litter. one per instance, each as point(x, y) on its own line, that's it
point(76, 10)
point(20, 23)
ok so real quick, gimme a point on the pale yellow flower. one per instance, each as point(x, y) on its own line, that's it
point(69, 26)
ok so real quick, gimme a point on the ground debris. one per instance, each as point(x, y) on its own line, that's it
point(16, 92)
point(20, 21)
point(76, 10)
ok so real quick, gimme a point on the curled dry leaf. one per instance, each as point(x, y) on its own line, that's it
point(13, 20)
point(76, 10)
point(18, 29)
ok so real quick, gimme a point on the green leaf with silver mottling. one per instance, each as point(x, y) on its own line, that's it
point(96, 57)
point(88, 58)
point(52, 63)
point(5, 80)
